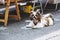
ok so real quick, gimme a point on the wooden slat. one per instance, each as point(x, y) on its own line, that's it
point(1, 20)
point(12, 1)
point(13, 16)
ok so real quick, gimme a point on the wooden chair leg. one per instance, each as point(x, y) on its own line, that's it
point(5, 20)
point(6, 13)
point(17, 10)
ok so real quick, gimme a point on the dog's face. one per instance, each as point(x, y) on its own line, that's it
point(35, 16)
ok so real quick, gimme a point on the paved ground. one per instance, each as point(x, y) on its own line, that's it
point(14, 29)
point(51, 36)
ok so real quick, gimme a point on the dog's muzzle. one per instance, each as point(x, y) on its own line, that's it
point(35, 21)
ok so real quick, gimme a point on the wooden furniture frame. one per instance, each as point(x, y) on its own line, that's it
point(5, 20)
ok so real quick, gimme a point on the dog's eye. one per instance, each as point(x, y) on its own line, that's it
point(32, 15)
point(36, 15)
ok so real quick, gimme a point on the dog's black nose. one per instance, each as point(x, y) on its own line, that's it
point(35, 23)
point(33, 16)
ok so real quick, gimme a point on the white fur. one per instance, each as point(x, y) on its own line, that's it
point(43, 21)
point(34, 12)
point(46, 15)
point(41, 24)
point(50, 21)
point(30, 24)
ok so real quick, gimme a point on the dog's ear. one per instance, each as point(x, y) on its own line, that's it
point(38, 16)
point(31, 12)
point(31, 16)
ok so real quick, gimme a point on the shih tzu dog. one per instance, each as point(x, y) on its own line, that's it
point(38, 20)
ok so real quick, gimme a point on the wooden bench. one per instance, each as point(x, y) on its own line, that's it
point(7, 3)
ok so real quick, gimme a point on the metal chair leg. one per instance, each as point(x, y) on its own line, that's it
point(56, 6)
point(41, 6)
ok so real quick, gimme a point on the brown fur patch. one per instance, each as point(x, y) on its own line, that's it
point(38, 17)
point(47, 24)
point(51, 16)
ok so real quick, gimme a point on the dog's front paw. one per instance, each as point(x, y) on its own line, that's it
point(28, 26)
point(34, 27)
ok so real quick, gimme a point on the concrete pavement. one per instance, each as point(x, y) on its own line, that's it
point(14, 30)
